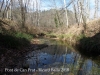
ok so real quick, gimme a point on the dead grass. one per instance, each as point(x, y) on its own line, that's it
point(9, 25)
point(93, 27)
point(75, 33)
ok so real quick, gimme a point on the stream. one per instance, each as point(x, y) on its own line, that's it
point(60, 59)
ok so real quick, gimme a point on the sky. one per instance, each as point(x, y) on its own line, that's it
point(48, 4)
point(51, 4)
point(59, 4)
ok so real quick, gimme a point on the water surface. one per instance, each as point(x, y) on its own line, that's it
point(58, 55)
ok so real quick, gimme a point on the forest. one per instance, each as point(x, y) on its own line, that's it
point(57, 34)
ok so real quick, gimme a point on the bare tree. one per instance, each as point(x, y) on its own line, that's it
point(23, 11)
point(66, 13)
point(96, 9)
point(11, 4)
point(75, 11)
point(5, 11)
point(87, 10)
point(37, 11)
point(57, 18)
point(1, 5)
point(82, 16)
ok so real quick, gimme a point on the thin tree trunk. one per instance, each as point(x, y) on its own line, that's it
point(87, 10)
point(96, 9)
point(1, 5)
point(22, 12)
point(75, 14)
point(5, 12)
point(66, 13)
point(11, 3)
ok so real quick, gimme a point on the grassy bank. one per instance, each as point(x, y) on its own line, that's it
point(69, 38)
point(87, 43)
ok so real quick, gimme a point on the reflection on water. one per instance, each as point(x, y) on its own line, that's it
point(60, 56)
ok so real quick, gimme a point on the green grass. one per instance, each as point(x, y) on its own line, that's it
point(52, 35)
point(61, 36)
point(80, 36)
point(23, 35)
point(65, 36)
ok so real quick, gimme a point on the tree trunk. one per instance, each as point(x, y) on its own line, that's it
point(75, 14)
point(66, 13)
